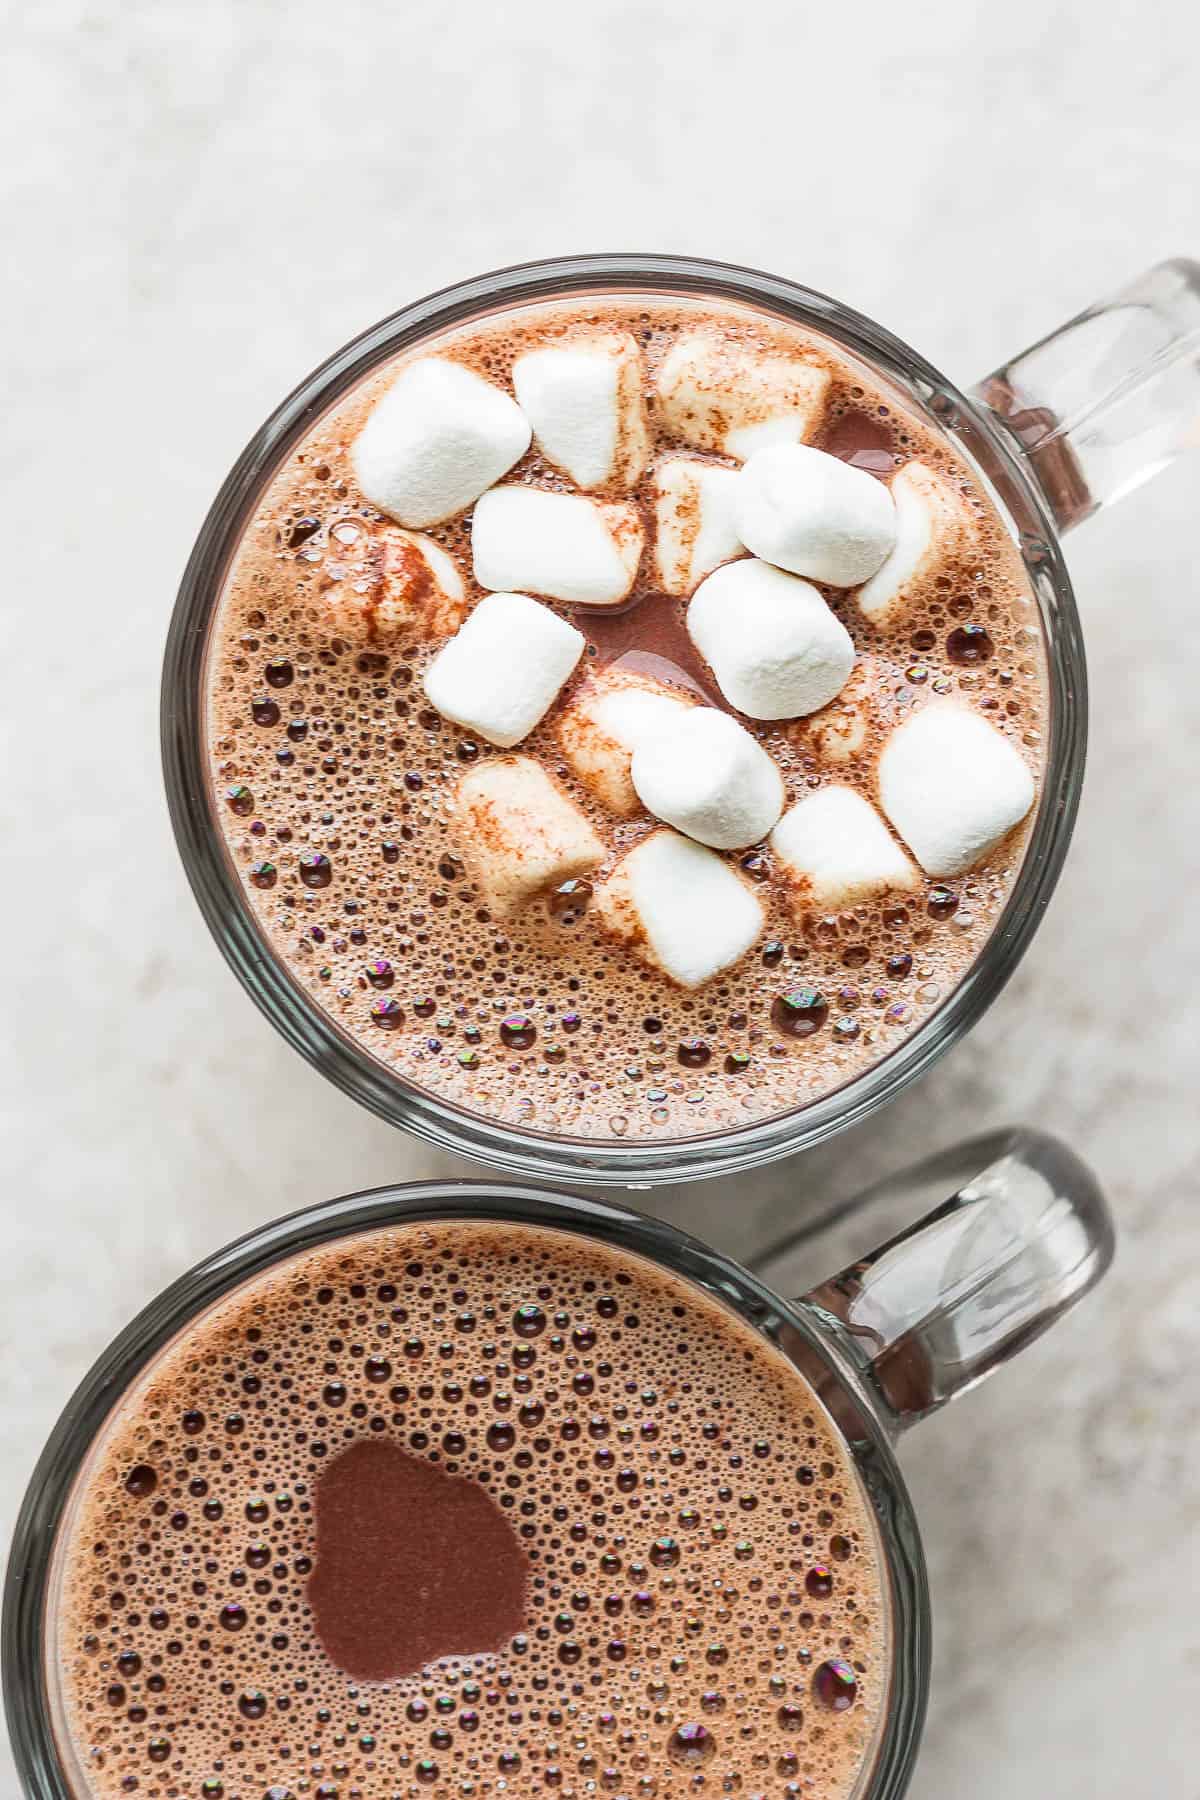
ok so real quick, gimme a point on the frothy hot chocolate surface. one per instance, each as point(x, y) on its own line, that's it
point(334, 780)
point(470, 1509)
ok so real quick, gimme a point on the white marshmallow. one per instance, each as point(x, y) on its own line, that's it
point(680, 908)
point(774, 646)
point(390, 582)
point(435, 441)
point(952, 785)
point(584, 401)
point(703, 773)
point(562, 545)
point(933, 521)
point(727, 397)
point(838, 733)
point(814, 515)
point(518, 833)
point(836, 851)
point(604, 722)
point(693, 510)
point(502, 671)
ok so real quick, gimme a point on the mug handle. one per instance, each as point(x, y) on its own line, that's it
point(1025, 1233)
point(1111, 397)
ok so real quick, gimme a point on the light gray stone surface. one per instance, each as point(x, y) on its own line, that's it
point(199, 203)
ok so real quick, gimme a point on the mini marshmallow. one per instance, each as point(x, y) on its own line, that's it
point(838, 733)
point(603, 724)
point(518, 833)
point(724, 396)
point(387, 582)
point(933, 521)
point(562, 545)
point(502, 671)
point(814, 515)
point(584, 401)
point(952, 785)
point(703, 773)
point(836, 851)
point(693, 510)
point(435, 441)
point(774, 646)
point(680, 908)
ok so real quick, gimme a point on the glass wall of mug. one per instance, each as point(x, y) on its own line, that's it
point(838, 1374)
point(39, 1712)
point(522, 1148)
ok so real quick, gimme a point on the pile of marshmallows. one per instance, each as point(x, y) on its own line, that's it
point(441, 438)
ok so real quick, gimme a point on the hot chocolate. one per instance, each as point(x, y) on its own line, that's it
point(465, 764)
point(469, 1508)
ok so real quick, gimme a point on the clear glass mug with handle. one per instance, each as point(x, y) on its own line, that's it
point(1066, 428)
point(1023, 1234)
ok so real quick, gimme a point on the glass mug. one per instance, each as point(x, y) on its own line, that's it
point(1071, 425)
point(1024, 1234)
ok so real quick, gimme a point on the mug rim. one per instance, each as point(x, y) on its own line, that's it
point(520, 1150)
point(30, 1705)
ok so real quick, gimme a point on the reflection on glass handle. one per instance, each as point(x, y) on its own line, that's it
point(1110, 398)
point(1025, 1234)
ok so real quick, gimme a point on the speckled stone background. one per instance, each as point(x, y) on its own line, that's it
point(198, 204)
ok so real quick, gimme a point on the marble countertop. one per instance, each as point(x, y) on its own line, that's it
point(198, 205)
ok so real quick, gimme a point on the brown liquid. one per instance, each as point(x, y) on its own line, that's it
point(349, 761)
point(412, 1564)
point(656, 1558)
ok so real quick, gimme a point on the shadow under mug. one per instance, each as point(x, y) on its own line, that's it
point(1024, 1234)
point(1065, 428)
